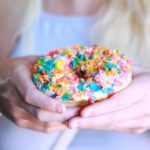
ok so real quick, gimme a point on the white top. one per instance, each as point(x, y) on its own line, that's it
point(56, 31)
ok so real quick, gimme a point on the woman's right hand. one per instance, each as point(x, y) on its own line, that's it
point(23, 104)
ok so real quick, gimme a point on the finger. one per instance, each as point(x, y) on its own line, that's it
point(31, 59)
point(47, 116)
point(140, 123)
point(128, 130)
point(106, 121)
point(40, 126)
point(103, 127)
point(23, 82)
point(132, 94)
point(25, 120)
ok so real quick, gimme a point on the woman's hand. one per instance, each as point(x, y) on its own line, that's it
point(128, 111)
point(23, 104)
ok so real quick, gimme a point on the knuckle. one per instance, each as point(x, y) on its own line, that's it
point(48, 127)
point(15, 112)
point(28, 96)
point(39, 115)
point(17, 69)
point(20, 123)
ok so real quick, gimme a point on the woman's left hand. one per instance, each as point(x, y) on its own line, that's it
point(128, 111)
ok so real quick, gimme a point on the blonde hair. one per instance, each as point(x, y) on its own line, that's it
point(32, 14)
point(125, 25)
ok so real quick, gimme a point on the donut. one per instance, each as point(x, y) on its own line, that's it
point(82, 75)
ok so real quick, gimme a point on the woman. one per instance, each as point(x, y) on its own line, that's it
point(32, 29)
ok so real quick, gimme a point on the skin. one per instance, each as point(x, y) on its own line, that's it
point(128, 111)
point(22, 103)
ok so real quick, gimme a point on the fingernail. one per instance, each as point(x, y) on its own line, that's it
point(86, 114)
point(59, 108)
point(74, 125)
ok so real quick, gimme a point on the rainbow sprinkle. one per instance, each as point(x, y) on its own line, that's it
point(81, 73)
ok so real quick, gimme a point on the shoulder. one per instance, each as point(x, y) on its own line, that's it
point(11, 18)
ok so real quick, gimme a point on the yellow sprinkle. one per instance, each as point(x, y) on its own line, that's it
point(60, 64)
point(114, 71)
point(41, 80)
point(50, 88)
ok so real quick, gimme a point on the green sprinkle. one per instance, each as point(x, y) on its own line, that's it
point(94, 87)
point(108, 58)
point(41, 61)
point(59, 85)
point(80, 87)
point(82, 47)
point(117, 51)
point(82, 80)
point(66, 97)
point(67, 52)
point(75, 62)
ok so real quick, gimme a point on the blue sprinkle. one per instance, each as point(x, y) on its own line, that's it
point(82, 57)
point(47, 68)
point(94, 87)
point(96, 73)
point(50, 75)
point(94, 98)
point(114, 66)
point(49, 83)
point(39, 69)
point(51, 61)
point(110, 66)
point(112, 85)
point(91, 57)
point(35, 79)
point(80, 87)
point(66, 97)
point(43, 87)
point(106, 90)
point(119, 71)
